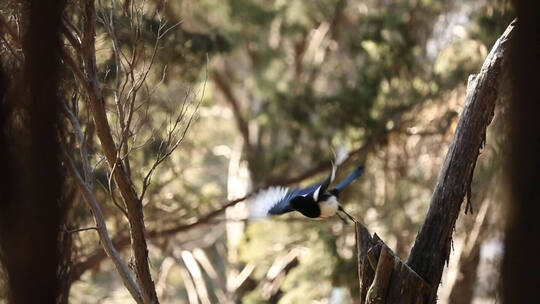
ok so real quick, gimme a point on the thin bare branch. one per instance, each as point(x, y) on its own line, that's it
point(101, 226)
point(172, 144)
point(82, 229)
point(9, 29)
point(73, 40)
point(11, 49)
point(82, 146)
point(5, 25)
point(122, 179)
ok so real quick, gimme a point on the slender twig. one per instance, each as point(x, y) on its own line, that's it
point(11, 50)
point(101, 226)
point(96, 102)
point(110, 186)
point(171, 146)
point(82, 229)
point(82, 146)
point(74, 41)
point(73, 28)
point(4, 24)
point(9, 29)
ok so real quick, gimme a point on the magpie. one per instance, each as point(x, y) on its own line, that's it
point(315, 201)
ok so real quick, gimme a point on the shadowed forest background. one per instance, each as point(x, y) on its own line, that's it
point(187, 107)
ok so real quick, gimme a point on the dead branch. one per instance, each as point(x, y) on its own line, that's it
point(175, 136)
point(384, 278)
point(433, 242)
point(463, 284)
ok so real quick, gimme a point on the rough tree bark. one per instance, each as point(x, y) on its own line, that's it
point(384, 278)
point(418, 280)
point(433, 242)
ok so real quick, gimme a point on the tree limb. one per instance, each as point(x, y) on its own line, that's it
point(125, 185)
point(241, 123)
point(378, 136)
point(101, 227)
point(433, 242)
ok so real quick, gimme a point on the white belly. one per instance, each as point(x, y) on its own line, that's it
point(328, 207)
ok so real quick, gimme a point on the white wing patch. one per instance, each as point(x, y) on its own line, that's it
point(339, 157)
point(263, 201)
point(316, 194)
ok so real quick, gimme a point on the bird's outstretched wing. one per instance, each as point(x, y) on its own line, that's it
point(339, 158)
point(275, 200)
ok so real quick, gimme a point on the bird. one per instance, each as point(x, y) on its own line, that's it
point(315, 201)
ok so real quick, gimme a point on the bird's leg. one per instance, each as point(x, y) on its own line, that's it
point(342, 219)
point(348, 215)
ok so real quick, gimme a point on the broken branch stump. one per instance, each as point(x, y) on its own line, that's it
point(384, 277)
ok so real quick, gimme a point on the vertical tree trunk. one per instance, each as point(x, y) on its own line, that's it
point(463, 289)
point(521, 263)
point(31, 205)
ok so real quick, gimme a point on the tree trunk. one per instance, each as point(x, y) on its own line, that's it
point(521, 264)
point(463, 289)
point(418, 280)
point(32, 209)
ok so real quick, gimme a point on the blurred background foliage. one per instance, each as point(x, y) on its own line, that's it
point(273, 86)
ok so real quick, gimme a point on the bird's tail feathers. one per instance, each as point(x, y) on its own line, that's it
point(355, 174)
